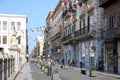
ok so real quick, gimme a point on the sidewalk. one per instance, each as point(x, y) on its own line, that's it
point(100, 73)
point(14, 75)
point(24, 74)
point(37, 74)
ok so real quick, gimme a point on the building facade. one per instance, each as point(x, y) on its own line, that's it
point(13, 34)
point(47, 41)
point(56, 31)
point(40, 44)
point(82, 32)
point(111, 35)
point(90, 33)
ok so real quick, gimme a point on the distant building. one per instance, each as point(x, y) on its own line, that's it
point(40, 44)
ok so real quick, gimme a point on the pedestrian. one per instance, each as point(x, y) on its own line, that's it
point(80, 63)
point(73, 63)
point(70, 62)
point(27, 58)
point(63, 63)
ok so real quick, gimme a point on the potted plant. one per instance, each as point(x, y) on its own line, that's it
point(92, 71)
point(46, 68)
point(55, 75)
point(56, 70)
point(43, 66)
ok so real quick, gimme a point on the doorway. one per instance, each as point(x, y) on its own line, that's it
point(112, 60)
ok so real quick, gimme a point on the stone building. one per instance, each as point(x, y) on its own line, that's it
point(13, 36)
point(40, 44)
point(47, 41)
point(82, 32)
point(56, 31)
point(111, 35)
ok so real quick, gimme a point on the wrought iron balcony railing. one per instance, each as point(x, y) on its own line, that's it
point(66, 38)
point(81, 32)
point(105, 3)
point(111, 34)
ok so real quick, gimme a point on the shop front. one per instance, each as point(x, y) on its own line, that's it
point(111, 56)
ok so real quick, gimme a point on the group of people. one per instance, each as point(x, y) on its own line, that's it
point(70, 63)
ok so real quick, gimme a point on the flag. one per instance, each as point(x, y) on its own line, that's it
point(32, 30)
point(76, 2)
point(43, 26)
point(88, 7)
point(83, 5)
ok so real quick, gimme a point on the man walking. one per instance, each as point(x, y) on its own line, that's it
point(63, 63)
point(27, 58)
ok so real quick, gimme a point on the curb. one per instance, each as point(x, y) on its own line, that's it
point(15, 74)
point(102, 73)
point(110, 75)
point(19, 71)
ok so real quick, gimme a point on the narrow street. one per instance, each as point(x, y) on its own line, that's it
point(31, 71)
point(74, 74)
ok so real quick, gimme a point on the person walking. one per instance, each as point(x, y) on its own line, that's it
point(27, 57)
point(70, 62)
point(63, 63)
point(81, 63)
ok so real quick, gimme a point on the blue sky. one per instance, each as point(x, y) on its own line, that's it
point(36, 10)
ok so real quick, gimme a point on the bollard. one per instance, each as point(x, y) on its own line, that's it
point(8, 67)
point(5, 68)
point(1, 68)
point(49, 71)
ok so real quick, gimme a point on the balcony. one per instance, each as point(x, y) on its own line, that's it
point(66, 14)
point(105, 3)
point(66, 38)
point(84, 1)
point(56, 36)
point(111, 34)
point(81, 32)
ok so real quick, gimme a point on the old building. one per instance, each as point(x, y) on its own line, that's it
point(111, 35)
point(13, 36)
point(56, 31)
point(47, 41)
point(82, 32)
point(40, 44)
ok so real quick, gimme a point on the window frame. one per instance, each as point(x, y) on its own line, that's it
point(4, 25)
point(4, 41)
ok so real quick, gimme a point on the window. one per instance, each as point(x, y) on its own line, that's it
point(80, 24)
point(83, 49)
point(111, 21)
point(4, 39)
point(19, 40)
point(65, 32)
point(69, 29)
point(90, 22)
point(18, 25)
point(0, 25)
point(12, 25)
point(74, 27)
point(4, 25)
point(0, 39)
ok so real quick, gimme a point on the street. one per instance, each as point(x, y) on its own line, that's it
point(74, 74)
point(31, 71)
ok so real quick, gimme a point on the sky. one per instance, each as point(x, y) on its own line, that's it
point(35, 10)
